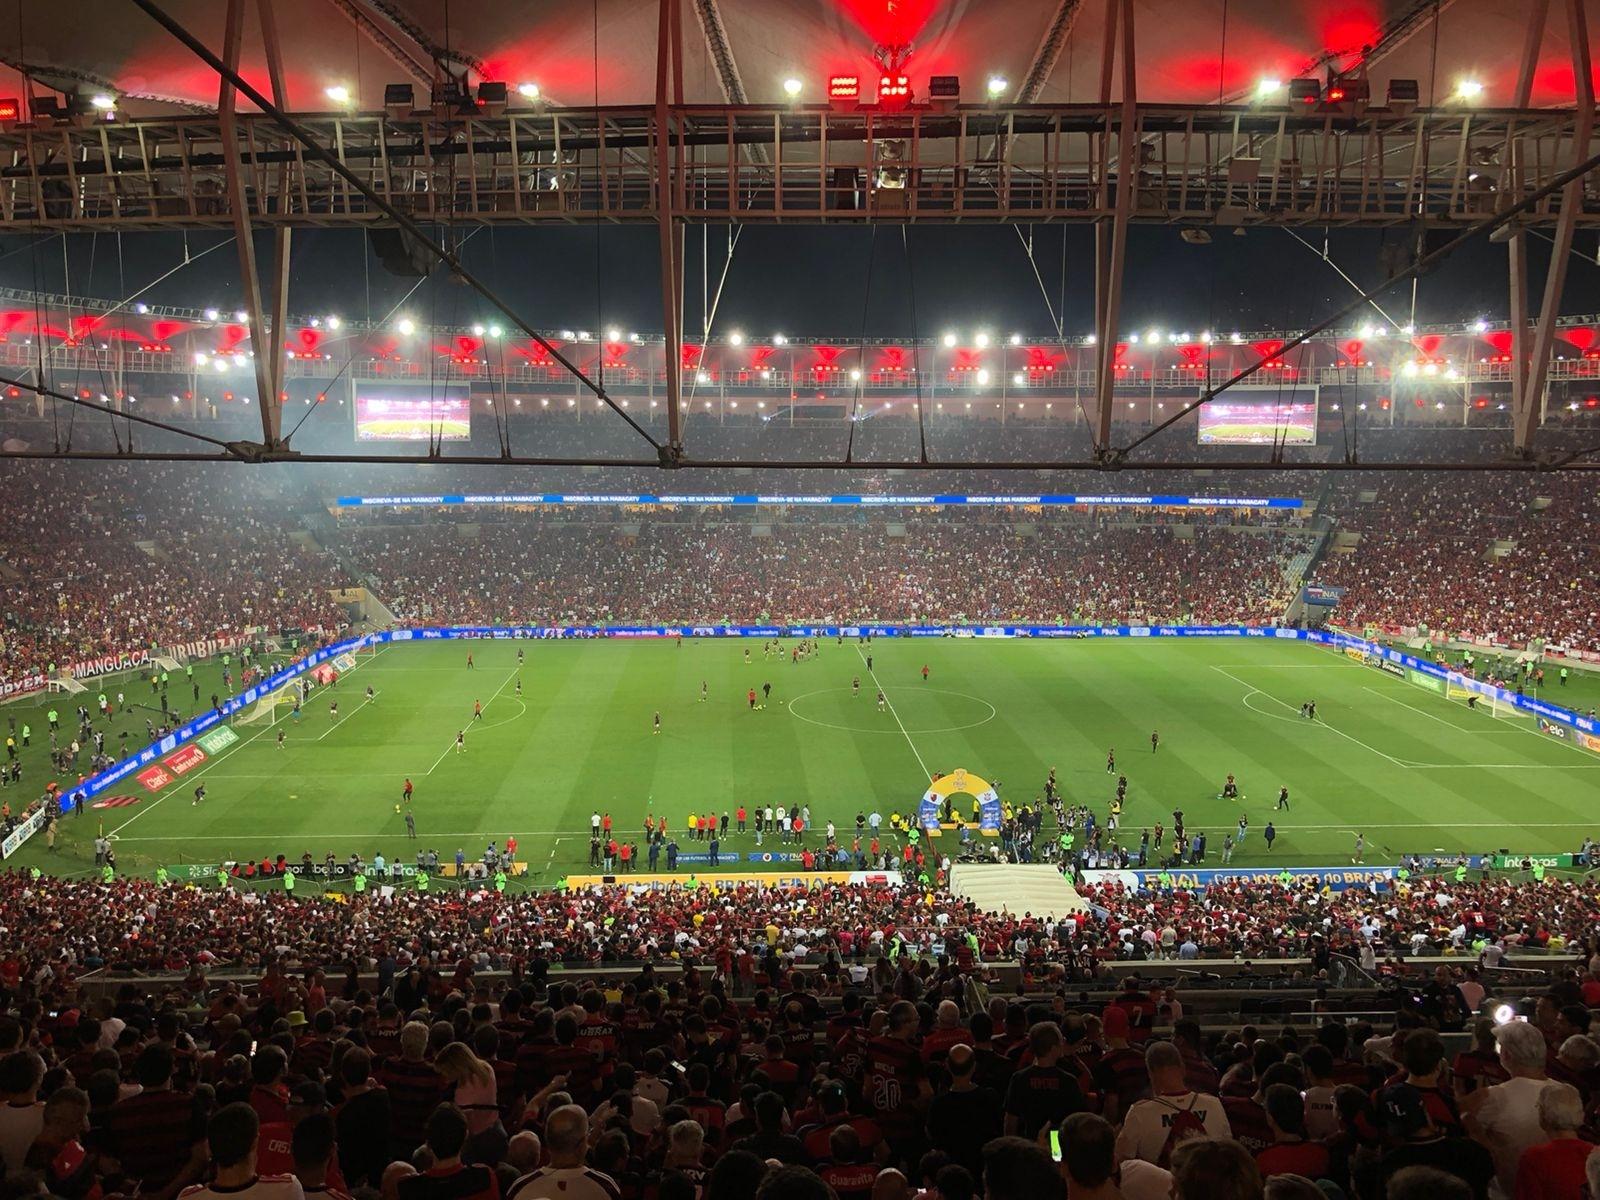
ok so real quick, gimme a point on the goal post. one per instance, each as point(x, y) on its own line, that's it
point(1475, 694)
point(267, 709)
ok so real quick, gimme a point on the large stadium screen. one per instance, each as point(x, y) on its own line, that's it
point(391, 412)
point(1285, 416)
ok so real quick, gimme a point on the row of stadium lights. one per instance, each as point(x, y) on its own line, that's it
point(844, 93)
point(980, 375)
point(981, 339)
point(1479, 402)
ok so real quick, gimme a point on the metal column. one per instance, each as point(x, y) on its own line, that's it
point(1525, 419)
point(669, 68)
point(1109, 260)
point(1517, 246)
point(266, 329)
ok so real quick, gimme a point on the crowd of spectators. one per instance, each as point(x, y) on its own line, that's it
point(129, 925)
point(834, 1052)
point(1494, 557)
point(104, 559)
point(938, 569)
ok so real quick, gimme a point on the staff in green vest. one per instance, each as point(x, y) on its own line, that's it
point(1285, 877)
point(361, 882)
point(499, 881)
point(1538, 871)
point(422, 881)
point(35, 874)
point(1164, 880)
point(1461, 873)
point(107, 873)
point(222, 878)
point(288, 881)
point(1402, 874)
point(161, 877)
point(188, 670)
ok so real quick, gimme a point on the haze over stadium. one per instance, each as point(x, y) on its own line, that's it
point(837, 599)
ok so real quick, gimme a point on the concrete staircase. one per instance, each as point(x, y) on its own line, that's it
point(1017, 889)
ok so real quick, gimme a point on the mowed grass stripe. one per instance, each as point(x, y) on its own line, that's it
point(580, 738)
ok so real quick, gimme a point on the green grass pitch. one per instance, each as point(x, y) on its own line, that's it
point(1411, 770)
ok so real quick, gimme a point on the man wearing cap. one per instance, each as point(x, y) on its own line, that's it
point(1403, 1110)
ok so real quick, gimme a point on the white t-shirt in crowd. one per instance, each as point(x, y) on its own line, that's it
point(564, 1183)
point(262, 1187)
point(1140, 1180)
point(1507, 1121)
point(1148, 1123)
point(1322, 1118)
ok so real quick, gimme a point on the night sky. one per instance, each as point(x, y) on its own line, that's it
point(831, 282)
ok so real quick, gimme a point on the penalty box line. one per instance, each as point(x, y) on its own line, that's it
point(172, 788)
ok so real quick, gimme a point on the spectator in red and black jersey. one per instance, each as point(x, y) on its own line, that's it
point(686, 1152)
point(268, 1095)
point(1421, 1055)
point(414, 1088)
point(895, 1085)
point(157, 1135)
point(799, 1034)
point(566, 1058)
point(1120, 1076)
point(833, 1111)
point(1247, 1115)
point(1140, 1010)
point(777, 1072)
point(274, 1146)
point(1290, 1152)
point(848, 1169)
point(1198, 1073)
point(994, 1069)
point(537, 1043)
point(947, 1031)
point(1043, 1093)
point(449, 1178)
point(314, 1052)
point(704, 1108)
point(68, 1168)
point(599, 1031)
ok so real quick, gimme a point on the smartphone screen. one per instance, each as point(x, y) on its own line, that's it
point(1055, 1145)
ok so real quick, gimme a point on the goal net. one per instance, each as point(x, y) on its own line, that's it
point(1475, 694)
point(269, 708)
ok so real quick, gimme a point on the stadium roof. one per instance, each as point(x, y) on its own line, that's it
point(603, 51)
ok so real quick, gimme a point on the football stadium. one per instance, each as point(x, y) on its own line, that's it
point(845, 600)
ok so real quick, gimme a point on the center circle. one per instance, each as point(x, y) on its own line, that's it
point(838, 708)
